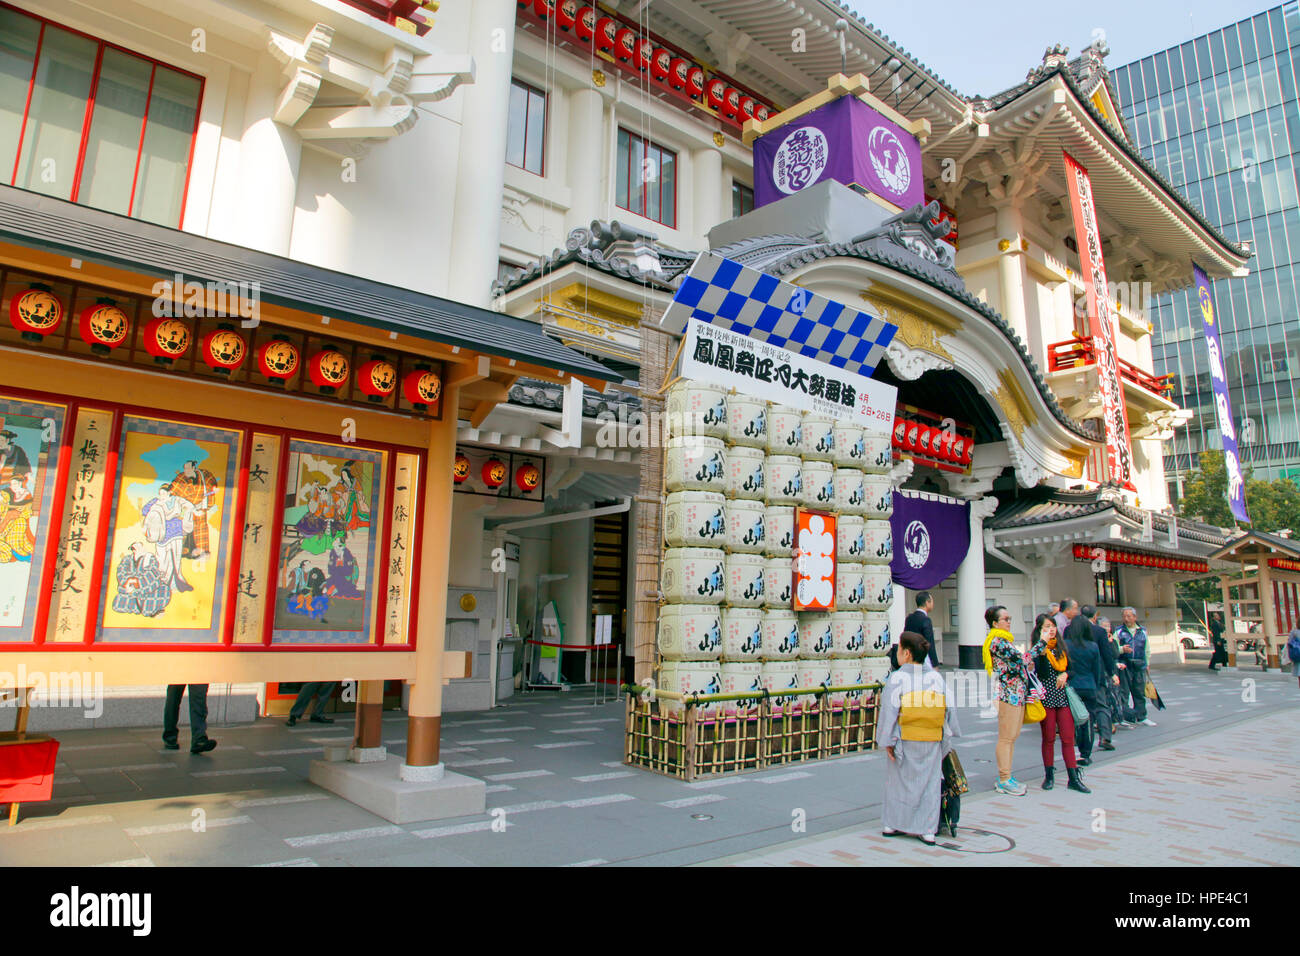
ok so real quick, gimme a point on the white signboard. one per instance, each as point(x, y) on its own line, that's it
point(604, 628)
point(760, 369)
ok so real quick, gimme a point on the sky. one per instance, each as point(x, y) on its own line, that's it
point(986, 46)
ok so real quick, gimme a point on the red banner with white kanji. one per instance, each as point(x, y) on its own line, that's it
point(1119, 458)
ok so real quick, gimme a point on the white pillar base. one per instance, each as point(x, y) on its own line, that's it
point(422, 774)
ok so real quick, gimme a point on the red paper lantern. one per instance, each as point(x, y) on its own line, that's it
point(377, 379)
point(103, 326)
point(958, 448)
point(943, 444)
point(543, 8)
point(460, 470)
point(606, 33)
point(167, 339)
point(585, 24)
point(900, 429)
point(969, 452)
point(528, 477)
point(713, 92)
point(624, 44)
point(761, 112)
point(278, 359)
point(923, 440)
point(695, 81)
point(35, 312)
point(328, 370)
point(494, 472)
point(223, 349)
point(566, 14)
point(677, 73)
point(746, 107)
point(731, 101)
point(422, 387)
point(913, 439)
point(661, 64)
point(645, 52)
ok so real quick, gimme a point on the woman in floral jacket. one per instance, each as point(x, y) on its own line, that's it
point(1009, 667)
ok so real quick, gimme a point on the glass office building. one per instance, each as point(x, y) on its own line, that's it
point(1218, 117)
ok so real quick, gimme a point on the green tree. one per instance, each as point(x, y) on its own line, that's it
point(1273, 505)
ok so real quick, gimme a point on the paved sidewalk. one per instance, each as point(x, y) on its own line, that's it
point(1230, 798)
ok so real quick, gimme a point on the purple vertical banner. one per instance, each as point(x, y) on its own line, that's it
point(1222, 403)
point(847, 141)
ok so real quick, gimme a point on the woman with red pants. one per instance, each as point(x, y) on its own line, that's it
point(1050, 662)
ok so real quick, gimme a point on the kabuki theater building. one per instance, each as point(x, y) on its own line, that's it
point(359, 341)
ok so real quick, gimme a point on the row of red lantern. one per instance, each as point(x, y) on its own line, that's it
point(1283, 564)
point(494, 471)
point(1084, 552)
point(933, 442)
point(104, 326)
point(623, 44)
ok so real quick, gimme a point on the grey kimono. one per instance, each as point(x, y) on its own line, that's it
point(913, 781)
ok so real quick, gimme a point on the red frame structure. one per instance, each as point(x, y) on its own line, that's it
point(1078, 351)
point(94, 584)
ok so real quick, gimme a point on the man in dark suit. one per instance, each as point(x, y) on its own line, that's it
point(919, 622)
point(1101, 711)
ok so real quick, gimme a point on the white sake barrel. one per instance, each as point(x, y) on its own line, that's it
point(738, 677)
point(745, 580)
point(812, 675)
point(877, 581)
point(845, 673)
point(850, 588)
point(693, 576)
point(778, 527)
point(849, 542)
point(695, 519)
point(850, 491)
point(747, 421)
point(689, 677)
point(780, 635)
point(694, 408)
point(875, 670)
point(815, 638)
point(778, 582)
point(877, 542)
point(848, 634)
point(850, 447)
point(745, 523)
point(818, 438)
point(690, 632)
point(879, 458)
point(819, 485)
point(695, 464)
point(784, 480)
point(742, 633)
point(784, 430)
point(746, 469)
point(779, 676)
point(878, 500)
point(876, 632)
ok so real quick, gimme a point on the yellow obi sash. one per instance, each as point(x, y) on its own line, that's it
point(921, 714)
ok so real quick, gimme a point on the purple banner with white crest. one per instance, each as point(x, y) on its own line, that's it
point(1222, 403)
point(930, 540)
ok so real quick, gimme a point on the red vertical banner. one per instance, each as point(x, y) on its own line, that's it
point(1119, 457)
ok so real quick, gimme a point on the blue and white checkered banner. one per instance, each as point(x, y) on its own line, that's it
point(732, 296)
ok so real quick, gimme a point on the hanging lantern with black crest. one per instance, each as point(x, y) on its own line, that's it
point(677, 73)
point(761, 112)
point(328, 370)
point(566, 14)
point(625, 44)
point(746, 107)
point(645, 53)
point(223, 349)
point(494, 473)
point(377, 378)
point(714, 90)
point(35, 312)
point(103, 326)
point(543, 8)
point(278, 359)
point(460, 469)
point(731, 102)
point(661, 64)
point(606, 33)
point(528, 477)
point(585, 24)
point(167, 339)
point(695, 82)
point(422, 387)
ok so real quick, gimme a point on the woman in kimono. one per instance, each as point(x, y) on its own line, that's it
point(917, 724)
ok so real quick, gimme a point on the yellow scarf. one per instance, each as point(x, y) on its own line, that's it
point(993, 633)
point(1065, 659)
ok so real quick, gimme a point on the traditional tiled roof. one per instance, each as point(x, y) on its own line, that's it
point(605, 246)
point(1045, 506)
point(533, 393)
point(1288, 546)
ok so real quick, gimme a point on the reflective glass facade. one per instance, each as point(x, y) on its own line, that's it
point(1218, 118)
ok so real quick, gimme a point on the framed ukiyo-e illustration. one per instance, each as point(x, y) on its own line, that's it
point(166, 566)
point(330, 516)
point(30, 433)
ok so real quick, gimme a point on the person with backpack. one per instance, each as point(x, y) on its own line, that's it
point(1293, 651)
point(1051, 665)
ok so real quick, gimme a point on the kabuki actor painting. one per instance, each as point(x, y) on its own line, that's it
point(28, 452)
point(324, 587)
point(165, 577)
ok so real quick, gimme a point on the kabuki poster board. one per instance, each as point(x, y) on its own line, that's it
point(814, 560)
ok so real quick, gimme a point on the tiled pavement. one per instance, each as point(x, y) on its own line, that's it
point(554, 776)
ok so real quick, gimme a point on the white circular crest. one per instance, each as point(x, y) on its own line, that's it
point(916, 544)
point(889, 160)
point(800, 159)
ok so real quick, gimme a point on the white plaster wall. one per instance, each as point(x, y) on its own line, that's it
point(571, 555)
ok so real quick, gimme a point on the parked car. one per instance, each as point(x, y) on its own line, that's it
point(1192, 637)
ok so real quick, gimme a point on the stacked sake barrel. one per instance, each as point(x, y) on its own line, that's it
point(736, 468)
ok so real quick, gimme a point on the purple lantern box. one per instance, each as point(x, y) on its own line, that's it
point(847, 141)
